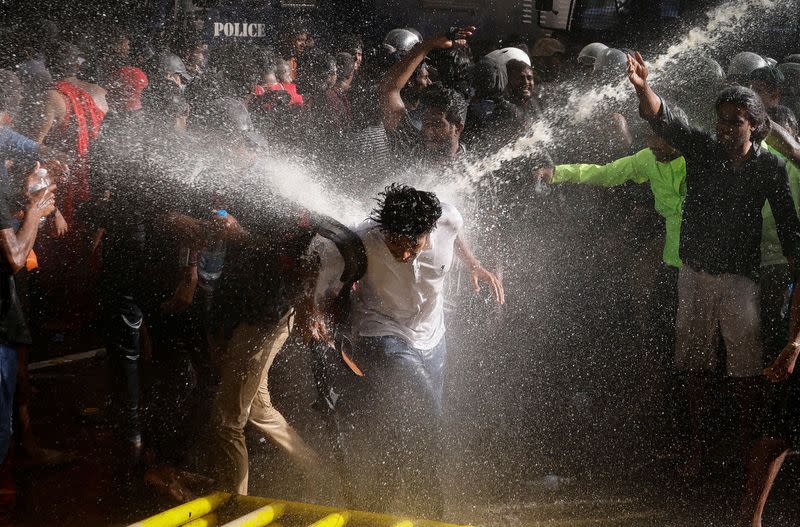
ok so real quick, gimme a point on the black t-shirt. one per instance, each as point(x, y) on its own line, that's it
point(721, 228)
point(13, 328)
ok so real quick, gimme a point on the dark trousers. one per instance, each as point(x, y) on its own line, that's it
point(8, 383)
point(390, 422)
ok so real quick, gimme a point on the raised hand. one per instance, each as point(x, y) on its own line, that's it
point(455, 36)
point(637, 70)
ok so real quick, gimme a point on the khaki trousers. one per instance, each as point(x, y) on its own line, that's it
point(243, 397)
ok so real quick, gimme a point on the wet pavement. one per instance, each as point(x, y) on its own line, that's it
point(91, 493)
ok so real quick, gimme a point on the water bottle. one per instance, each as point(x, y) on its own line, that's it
point(212, 259)
point(41, 181)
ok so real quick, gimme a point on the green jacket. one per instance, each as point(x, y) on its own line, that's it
point(668, 184)
point(771, 253)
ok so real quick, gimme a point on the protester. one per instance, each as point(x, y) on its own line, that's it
point(720, 244)
point(193, 157)
point(16, 240)
point(394, 408)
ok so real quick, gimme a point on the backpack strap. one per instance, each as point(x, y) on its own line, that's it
point(350, 247)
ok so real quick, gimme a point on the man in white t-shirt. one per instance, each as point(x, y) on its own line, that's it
point(390, 415)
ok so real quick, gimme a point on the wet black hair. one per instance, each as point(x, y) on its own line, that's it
point(784, 116)
point(747, 99)
point(448, 101)
point(345, 65)
point(313, 68)
point(454, 68)
point(515, 66)
point(769, 75)
point(10, 91)
point(163, 101)
point(351, 43)
point(406, 211)
point(241, 63)
point(63, 60)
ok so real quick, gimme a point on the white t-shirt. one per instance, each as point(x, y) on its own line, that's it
point(395, 298)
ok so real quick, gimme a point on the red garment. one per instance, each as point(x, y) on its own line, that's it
point(87, 116)
point(295, 98)
point(291, 89)
point(125, 88)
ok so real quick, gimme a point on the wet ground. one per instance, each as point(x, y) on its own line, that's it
point(88, 493)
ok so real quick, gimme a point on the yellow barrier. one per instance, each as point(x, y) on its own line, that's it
point(200, 513)
point(338, 519)
point(259, 517)
point(309, 510)
point(185, 513)
point(209, 520)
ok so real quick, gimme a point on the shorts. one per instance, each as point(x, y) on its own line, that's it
point(710, 306)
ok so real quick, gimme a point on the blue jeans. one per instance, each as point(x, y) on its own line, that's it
point(8, 384)
point(390, 425)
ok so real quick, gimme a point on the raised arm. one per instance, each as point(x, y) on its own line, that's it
point(649, 101)
point(15, 246)
point(782, 140)
point(392, 106)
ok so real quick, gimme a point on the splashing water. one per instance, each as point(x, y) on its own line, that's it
point(723, 21)
point(305, 184)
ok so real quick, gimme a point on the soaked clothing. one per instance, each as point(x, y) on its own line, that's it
point(405, 299)
point(13, 328)
point(391, 425)
point(771, 253)
point(17, 148)
point(722, 220)
point(714, 306)
point(83, 118)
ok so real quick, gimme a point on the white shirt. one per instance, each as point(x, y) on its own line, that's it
point(395, 298)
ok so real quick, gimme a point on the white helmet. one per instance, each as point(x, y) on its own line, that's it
point(401, 39)
point(590, 53)
point(502, 56)
point(611, 59)
point(744, 63)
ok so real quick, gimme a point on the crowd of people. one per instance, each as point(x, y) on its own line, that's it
point(128, 195)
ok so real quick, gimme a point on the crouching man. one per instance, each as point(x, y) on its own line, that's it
point(390, 415)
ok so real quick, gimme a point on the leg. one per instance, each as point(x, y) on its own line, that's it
point(765, 462)
point(696, 339)
point(269, 420)
point(699, 399)
point(8, 383)
point(740, 323)
point(375, 417)
point(240, 375)
point(749, 393)
point(123, 343)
